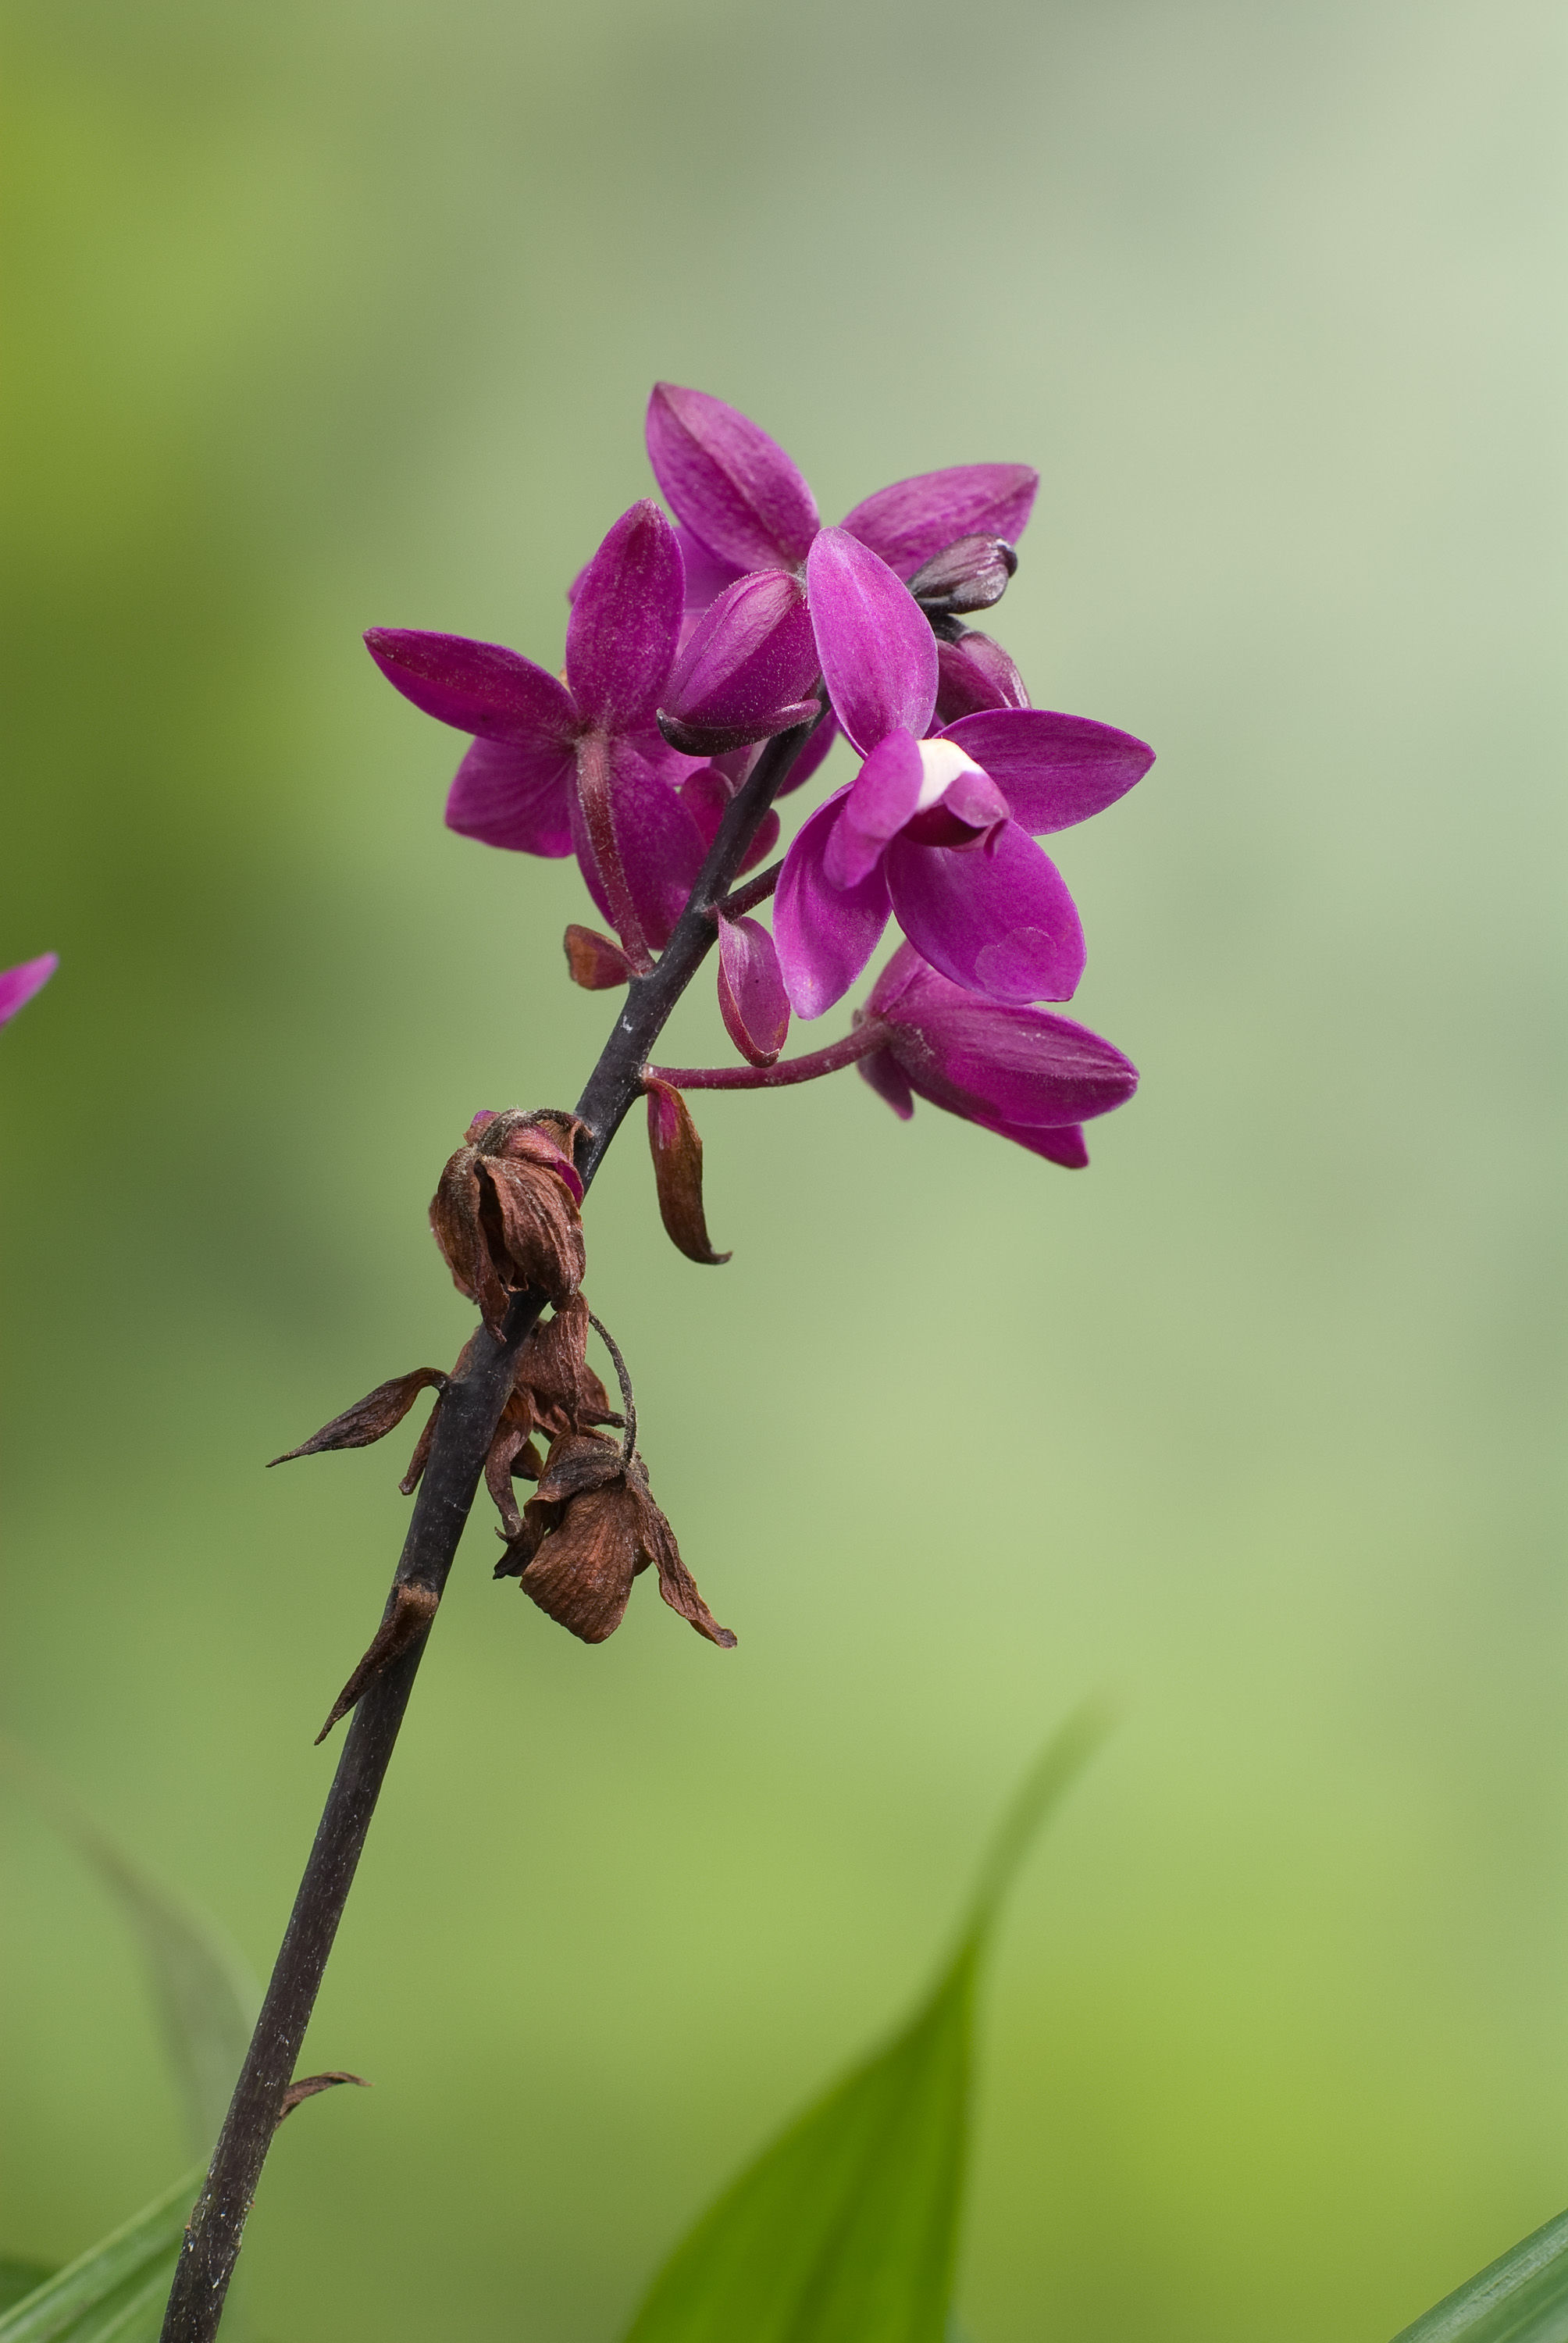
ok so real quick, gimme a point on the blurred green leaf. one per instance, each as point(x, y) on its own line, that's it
point(19, 2277)
point(204, 1995)
point(846, 2229)
point(1521, 2297)
point(116, 2291)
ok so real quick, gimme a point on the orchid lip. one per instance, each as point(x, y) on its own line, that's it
point(941, 763)
point(937, 825)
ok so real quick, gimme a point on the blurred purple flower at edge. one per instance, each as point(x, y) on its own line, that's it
point(18, 984)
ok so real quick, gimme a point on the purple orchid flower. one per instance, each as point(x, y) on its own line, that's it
point(743, 505)
point(938, 831)
point(578, 765)
point(18, 984)
point(1028, 1075)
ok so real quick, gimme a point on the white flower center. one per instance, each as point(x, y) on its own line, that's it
point(942, 762)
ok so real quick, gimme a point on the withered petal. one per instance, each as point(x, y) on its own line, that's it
point(455, 1218)
point(582, 1573)
point(677, 1150)
point(541, 1234)
point(578, 1463)
point(510, 1439)
point(675, 1582)
point(421, 1456)
point(553, 1363)
point(370, 1418)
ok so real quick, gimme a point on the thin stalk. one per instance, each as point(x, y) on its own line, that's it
point(747, 897)
point(830, 1059)
point(622, 1376)
point(469, 1413)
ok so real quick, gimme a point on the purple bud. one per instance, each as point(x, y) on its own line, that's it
point(747, 670)
point(969, 575)
point(752, 1000)
point(974, 674)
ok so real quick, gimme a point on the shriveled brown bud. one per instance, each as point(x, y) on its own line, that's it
point(593, 961)
point(676, 1145)
point(592, 1527)
point(505, 1212)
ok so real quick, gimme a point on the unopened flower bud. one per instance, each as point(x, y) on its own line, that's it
point(505, 1212)
point(968, 574)
point(676, 1145)
point(974, 674)
point(747, 669)
point(590, 1530)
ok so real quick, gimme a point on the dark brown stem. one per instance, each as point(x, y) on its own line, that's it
point(830, 1059)
point(465, 1424)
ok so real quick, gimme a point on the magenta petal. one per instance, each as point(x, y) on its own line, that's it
point(1000, 921)
point(913, 520)
point(707, 573)
point(905, 969)
point(480, 687)
point(731, 485)
point(626, 621)
point(510, 793)
point(661, 846)
point(1013, 1068)
point(668, 763)
point(881, 801)
point(999, 1063)
point(1064, 1145)
point(975, 673)
point(887, 1077)
point(747, 667)
point(878, 652)
point(824, 934)
point(752, 1000)
point(1053, 769)
point(18, 984)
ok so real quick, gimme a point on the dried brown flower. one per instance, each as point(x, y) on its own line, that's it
point(554, 1390)
point(505, 1212)
point(590, 1531)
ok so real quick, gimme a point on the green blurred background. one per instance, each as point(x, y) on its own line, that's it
point(323, 316)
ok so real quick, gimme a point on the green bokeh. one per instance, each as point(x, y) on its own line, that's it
point(322, 316)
